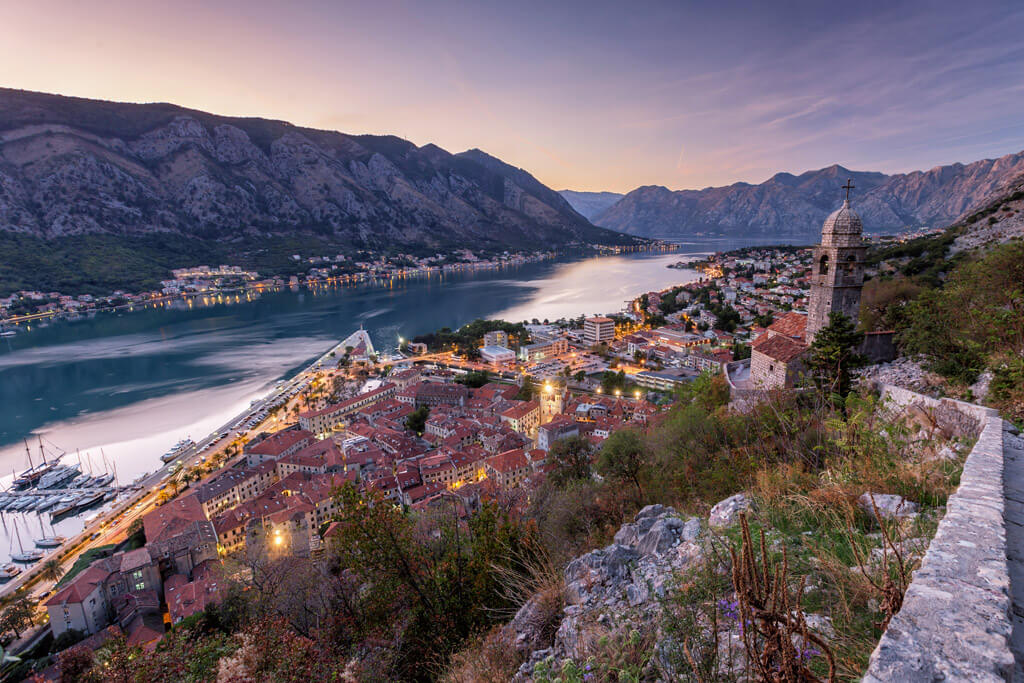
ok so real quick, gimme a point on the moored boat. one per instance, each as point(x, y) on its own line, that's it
point(9, 571)
point(58, 476)
point(103, 480)
point(65, 506)
point(51, 541)
point(89, 499)
point(178, 449)
point(28, 557)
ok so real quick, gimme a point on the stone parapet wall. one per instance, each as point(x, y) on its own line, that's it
point(955, 623)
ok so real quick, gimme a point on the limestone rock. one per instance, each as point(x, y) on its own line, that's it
point(889, 506)
point(727, 512)
point(616, 588)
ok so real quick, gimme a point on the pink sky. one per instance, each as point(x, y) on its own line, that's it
point(588, 96)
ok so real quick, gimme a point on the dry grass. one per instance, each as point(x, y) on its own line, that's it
point(490, 657)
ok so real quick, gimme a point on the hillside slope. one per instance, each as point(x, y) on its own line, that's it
point(787, 204)
point(71, 166)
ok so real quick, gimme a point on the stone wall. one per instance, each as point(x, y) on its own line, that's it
point(879, 347)
point(955, 623)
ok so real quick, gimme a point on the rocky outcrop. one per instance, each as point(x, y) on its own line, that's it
point(612, 589)
point(904, 372)
point(889, 506)
point(727, 512)
point(788, 205)
point(72, 166)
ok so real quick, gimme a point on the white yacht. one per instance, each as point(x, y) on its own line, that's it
point(58, 476)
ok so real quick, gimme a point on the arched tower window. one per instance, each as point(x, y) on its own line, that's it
point(851, 262)
point(823, 265)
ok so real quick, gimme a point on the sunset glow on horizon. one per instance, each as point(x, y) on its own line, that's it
point(586, 96)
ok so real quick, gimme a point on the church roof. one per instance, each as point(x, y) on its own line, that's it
point(792, 325)
point(843, 221)
point(780, 348)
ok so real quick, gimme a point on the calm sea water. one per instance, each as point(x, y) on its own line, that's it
point(126, 386)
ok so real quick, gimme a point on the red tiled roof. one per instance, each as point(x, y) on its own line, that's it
point(81, 586)
point(278, 442)
point(172, 518)
point(141, 634)
point(520, 411)
point(508, 461)
point(792, 325)
point(345, 405)
point(779, 347)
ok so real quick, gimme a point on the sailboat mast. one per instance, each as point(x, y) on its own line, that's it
point(29, 454)
point(41, 451)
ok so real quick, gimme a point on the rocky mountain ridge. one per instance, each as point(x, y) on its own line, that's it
point(791, 205)
point(72, 166)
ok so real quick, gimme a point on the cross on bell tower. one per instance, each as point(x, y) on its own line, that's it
point(837, 273)
point(848, 186)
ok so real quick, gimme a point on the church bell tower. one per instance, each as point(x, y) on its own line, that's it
point(837, 273)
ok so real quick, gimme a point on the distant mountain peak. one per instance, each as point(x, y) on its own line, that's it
point(589, 204)
point(795, 205)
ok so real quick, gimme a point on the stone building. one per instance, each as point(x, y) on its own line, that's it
point(837, 273)
point(776, 356)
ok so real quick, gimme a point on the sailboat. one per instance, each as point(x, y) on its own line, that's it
point(53, 541)
point(25, 557)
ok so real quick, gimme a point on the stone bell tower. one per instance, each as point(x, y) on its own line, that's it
point(837, 273)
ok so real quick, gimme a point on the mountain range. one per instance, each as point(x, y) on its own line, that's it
point(795, 205)
point(72, 166)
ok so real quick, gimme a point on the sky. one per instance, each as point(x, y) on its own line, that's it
point(585, 95)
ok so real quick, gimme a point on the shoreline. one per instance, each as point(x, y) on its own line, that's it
point(362, 278)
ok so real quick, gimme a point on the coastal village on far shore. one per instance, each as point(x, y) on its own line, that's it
point(220, 284)
point(443, 423)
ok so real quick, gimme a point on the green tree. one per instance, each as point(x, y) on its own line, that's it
point(623, 457)
point(834, 356)
point(417, 420)
point(570, 458)
point(429, 579)
point(708, 390)
point(475, 379)
point(75, 663)
point(613, 380)
point(19, 613)
point(115, 662)
point(526, 392)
